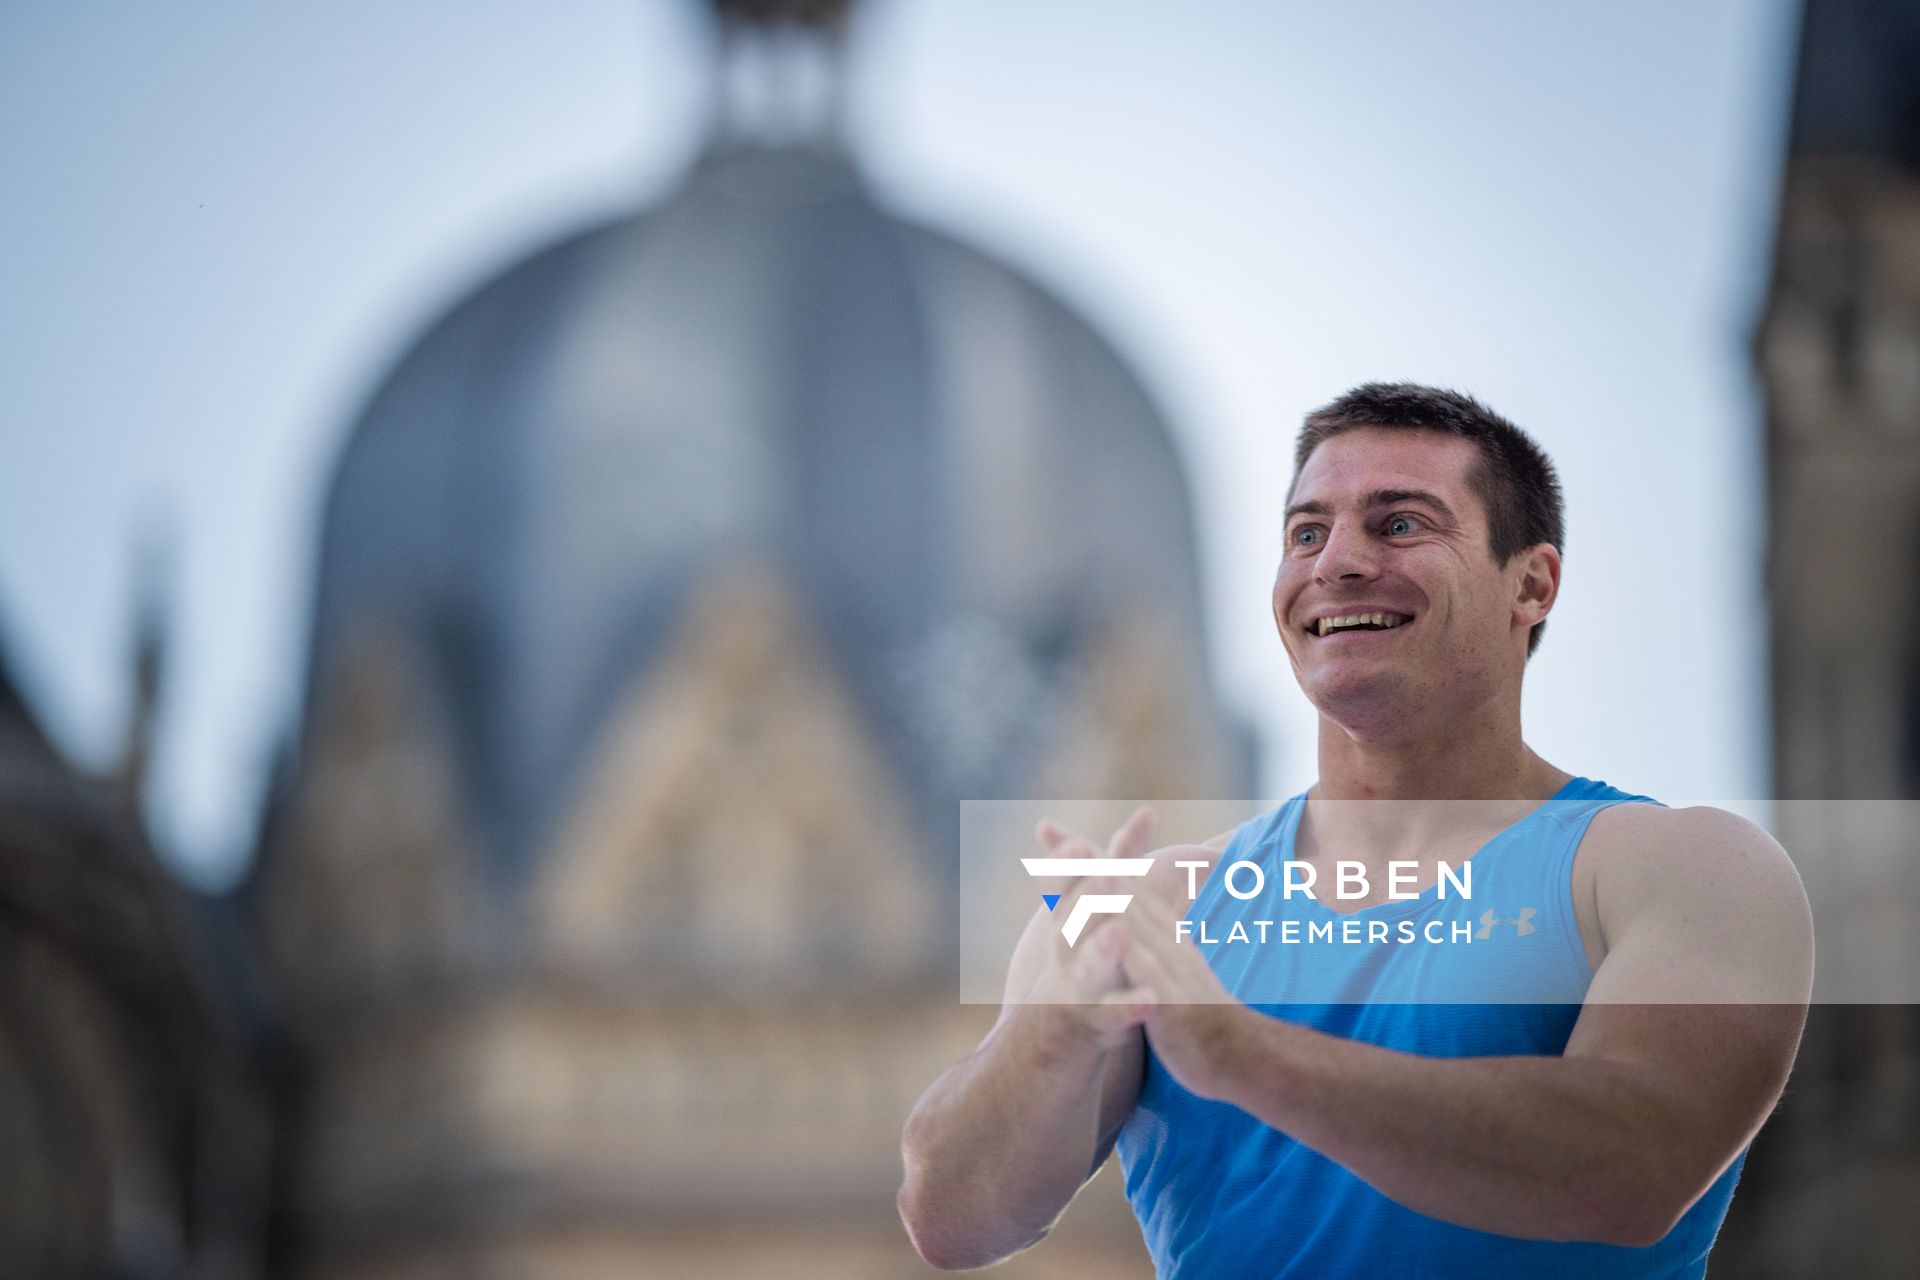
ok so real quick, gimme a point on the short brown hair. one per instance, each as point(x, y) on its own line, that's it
point(1514, 478)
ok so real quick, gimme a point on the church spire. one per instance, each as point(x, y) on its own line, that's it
point(152, 589)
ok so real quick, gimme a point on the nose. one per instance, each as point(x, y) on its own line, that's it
point(1348, 554)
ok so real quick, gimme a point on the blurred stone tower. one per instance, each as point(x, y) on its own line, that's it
point(1832, 1182)
point(674, 588)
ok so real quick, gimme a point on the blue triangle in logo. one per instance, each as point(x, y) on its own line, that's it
point(1051, 899)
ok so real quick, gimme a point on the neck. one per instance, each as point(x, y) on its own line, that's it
point(1477, 754)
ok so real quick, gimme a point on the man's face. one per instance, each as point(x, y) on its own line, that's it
point(1387, 522)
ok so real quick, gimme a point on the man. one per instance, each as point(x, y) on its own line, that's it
point(1568, 1091)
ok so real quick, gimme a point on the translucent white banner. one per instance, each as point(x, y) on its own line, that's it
point(1573, 900)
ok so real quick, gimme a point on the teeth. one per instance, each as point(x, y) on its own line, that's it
point(1388, 620)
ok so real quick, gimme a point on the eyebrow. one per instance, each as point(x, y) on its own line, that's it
point(1378, 498)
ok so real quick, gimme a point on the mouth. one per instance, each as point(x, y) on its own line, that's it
point(1359, 622)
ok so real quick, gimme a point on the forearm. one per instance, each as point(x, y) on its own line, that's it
point(1539, 1147)
point(1002, 1141)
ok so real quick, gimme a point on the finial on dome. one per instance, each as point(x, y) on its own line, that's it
point(823, 14)
point(780, 77)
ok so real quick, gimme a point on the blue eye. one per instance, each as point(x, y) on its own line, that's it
point(1394, 524)
point(1303, 536)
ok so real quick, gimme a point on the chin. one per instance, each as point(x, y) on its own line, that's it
point(1363, 701)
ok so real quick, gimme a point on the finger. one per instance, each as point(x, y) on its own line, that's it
point(1166, 973)
point(1172, 885)
point(1177, 970)
point(1096, 961)
point(1117, 1011)
point(1052, 835)
point(1063, 843)
point(1145, 933)
point(1074, 845)
point(1097, 965)
point(1143, 966)
point(1162, 893)
point(1135, 835)
point(1134, 1003)
point(1171, 853)
point(1073, 887)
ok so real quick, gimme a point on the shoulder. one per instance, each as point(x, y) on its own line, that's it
point(1633, 842)
point(1700, 872)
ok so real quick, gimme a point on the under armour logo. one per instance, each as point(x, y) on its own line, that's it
point(1522, 924)
point(1087, 905)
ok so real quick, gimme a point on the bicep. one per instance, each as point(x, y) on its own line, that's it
point(1700, 907)
point(1703, 991)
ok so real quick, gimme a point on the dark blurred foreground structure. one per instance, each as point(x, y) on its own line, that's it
point(133, 1122)
point(1833, 1183)
point(674, 588)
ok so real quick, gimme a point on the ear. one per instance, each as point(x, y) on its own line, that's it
point(1538, 585)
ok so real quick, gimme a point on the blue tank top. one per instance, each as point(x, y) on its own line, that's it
point(1221, 1195)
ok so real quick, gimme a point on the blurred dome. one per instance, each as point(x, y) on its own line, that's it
point(954, 477)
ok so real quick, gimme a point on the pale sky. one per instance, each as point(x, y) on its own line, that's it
point(219, 221)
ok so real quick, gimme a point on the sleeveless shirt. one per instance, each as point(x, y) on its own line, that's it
point(1221, 1195)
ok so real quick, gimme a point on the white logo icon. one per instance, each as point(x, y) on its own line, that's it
point(1088, 905)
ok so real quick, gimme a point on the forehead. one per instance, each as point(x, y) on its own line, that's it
point(1353, 464)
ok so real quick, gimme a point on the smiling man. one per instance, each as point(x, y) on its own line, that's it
point(1561, 1081)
